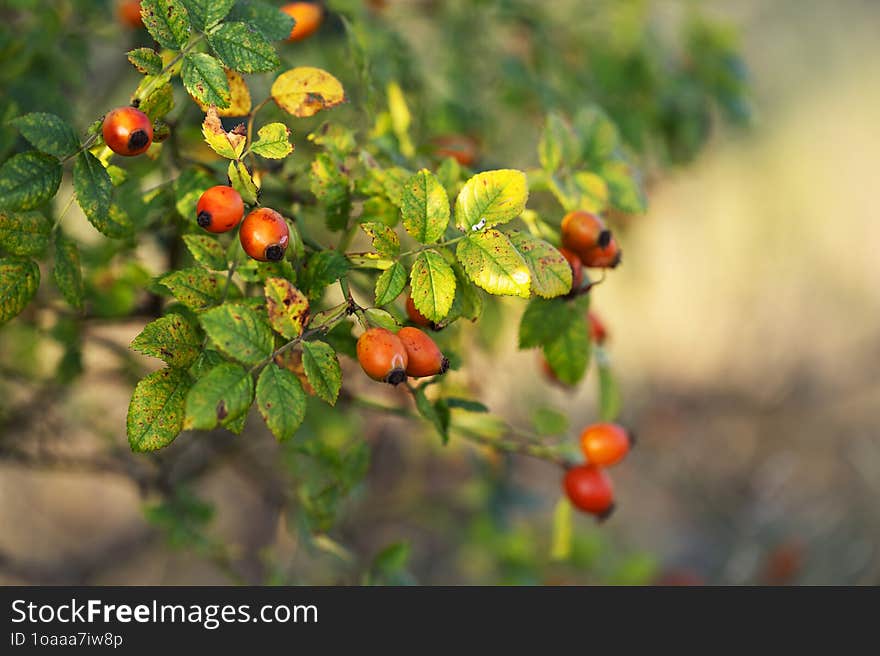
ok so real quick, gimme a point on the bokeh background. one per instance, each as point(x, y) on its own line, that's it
point(745, 334)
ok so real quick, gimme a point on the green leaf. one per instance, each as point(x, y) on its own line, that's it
point(390, 283)
point(331, 186)
point(68, 272)
point(188, 188)
point(555, 147)
point(243, 49)
point(241, 181)
point(322, 370)
point(205, 13)
point(146, 60)
point(544, 319)
point(433, 285)
point(114, 223)
point(548, 421)
point(207, 251)
point(173, 338)
point(609, 394)
point(568, 353)
point(425, 207)
point(93, 188)
point(159, 102)
point(48, 133)
point(281, 401)
point(384, 239)
point(223, 395)
point(24, 233)
point(28, 180)
point(429, 412)
point(491, 198)
point(465, 404)
point(624, 187)
point(155, 414)
point(206, 361)
point(493, 264)
point(167, 22)
point(270, 21)
point(381, 318)
point(468, 302)
point(239, 332)
point(597, 135)
point(550, 271)
point(287, 306)
point(197, 288)
point(204, 78)
point(274, 141)
point(562, 530)
point(322, 269)
point(19, 280)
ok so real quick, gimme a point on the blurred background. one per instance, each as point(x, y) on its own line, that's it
point(744, 331)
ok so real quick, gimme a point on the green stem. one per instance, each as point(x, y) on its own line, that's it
point(439, 244)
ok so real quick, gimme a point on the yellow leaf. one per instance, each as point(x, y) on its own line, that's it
point(240, 97)
point(305, 91)
point(226, 144)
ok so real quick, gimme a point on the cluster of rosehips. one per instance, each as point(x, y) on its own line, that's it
point(587, 242)
point(587, 486)
point(390, 358)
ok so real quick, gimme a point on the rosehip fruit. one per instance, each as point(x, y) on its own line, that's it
point(219, 209)
point(598, 332)
point(382, 356)
point(577, 268)
point(308, 17)
point(603, 257)
point(589, 489)
point(264, 235)
point(425, 358)
point(605, 444)
point(582, 231)
point(415, 316)
point(127, 131)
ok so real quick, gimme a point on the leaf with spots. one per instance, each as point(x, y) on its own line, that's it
point(493, 264)
point(24, 233)
point(239, 332)
point(390, 283)
point(243, 48)
point(384, 239)
point(425, 207)
point(205, 80)
point(240, 102)
point(550, 271)
point(273, 23)
point(156, 411)
point(433, 285)
point(273, 142)
point(304, 91)
point(93, 188)
point(27, 180)
point(206, 13)
point(19, 280)
point(146, 60)
point(207, 251)
point(197, 288)
point(281, 401)
point(288, 307)
point(226, 144)
point(241, 180)
point(47, 133)
point(173, 338)
point(167, 22)
point(221, 396)
point(491, 198)
point(322, 369)
point(68, 272)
